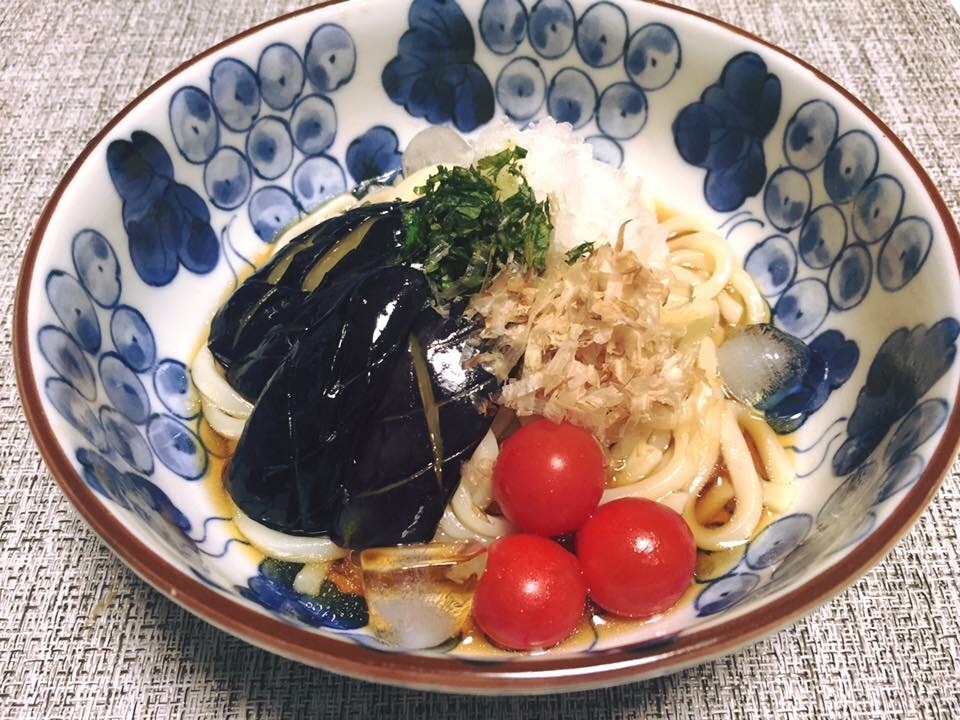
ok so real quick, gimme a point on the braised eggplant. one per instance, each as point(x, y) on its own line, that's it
point(308, 278)
point(287, 464)
point(405, 464)
point(360, 433)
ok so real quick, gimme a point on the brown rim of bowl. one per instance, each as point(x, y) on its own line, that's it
point(531, 675)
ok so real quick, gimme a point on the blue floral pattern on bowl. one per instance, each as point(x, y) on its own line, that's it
point(256, 136)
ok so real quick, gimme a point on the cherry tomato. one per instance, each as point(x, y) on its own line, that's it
point(549, 477)
point(637, 557)
point(531, 593)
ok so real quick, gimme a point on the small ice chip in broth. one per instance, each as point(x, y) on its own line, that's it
point(419, 595)
point(432, 146)
point(762, 364)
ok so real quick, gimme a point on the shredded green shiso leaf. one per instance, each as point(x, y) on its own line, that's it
point(472, 222)
point(580, 251)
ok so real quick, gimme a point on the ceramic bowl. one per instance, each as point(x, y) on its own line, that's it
point(841, 229)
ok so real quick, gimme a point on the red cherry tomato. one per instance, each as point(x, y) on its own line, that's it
point(548, 478)
point(637, 557)
point(531, 593)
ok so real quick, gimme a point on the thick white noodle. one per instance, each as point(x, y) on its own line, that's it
point(672, 475)
point(730, 309)
point(776, 462)
point(451, 527)
point(291, 548)
point(747, 489)
point(223, 407)
point(475, 519)
point(225, 425)
point(719, 254)
point(755, 306)
point(464, 517)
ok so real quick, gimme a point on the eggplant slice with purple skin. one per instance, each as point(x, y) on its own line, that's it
point(409, 454)
point(265, 317)
point(364, 410)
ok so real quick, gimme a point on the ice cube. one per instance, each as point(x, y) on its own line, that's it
point(762, 364)
point(419, 595)
point(434, 145)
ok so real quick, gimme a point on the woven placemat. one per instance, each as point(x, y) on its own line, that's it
point(82, 637)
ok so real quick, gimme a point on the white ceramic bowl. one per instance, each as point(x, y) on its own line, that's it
point(840, 227)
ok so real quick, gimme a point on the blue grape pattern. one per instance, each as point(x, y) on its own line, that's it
point(124, 437)
point(133, 338)
point(171, 383)
point(124, 388)
point(552, 27)
point(772, 263)
point(236, 94)
point(849, 164)
point(725, 592)
point(849, 278)
point(622, 111)
point(810, 134)
point(76, 410)
point(286, 117)
point(803, 307)
point(602, 34)
point(97, 267)
point(606, 150)
point(67, 360)
point(904, 252)
point(600, 37)
point(74, 309)
point(314, 124)
point(193, 120)
point(859, 231)
point(503, 25)
point(777, 540)
point(270, 209)
point(876, 208)
point(905, 367)
point(137, 494)
point(281, 76)
point(227, 178)
point(521, 88)
point(106, 406)
point(723, 133)
point(167, 223)
point(177, 446)
point(330, 57)
point(433, 75)
point(786, 199)
point(270, 147)
point(316, 179)
point(572, 97)
point(823, 236)
point(374, 154)
point(652, 56)
point(841, 226)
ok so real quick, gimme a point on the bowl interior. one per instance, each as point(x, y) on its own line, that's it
point(167, 207)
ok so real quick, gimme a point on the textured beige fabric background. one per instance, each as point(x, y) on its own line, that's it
point(81, 637)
